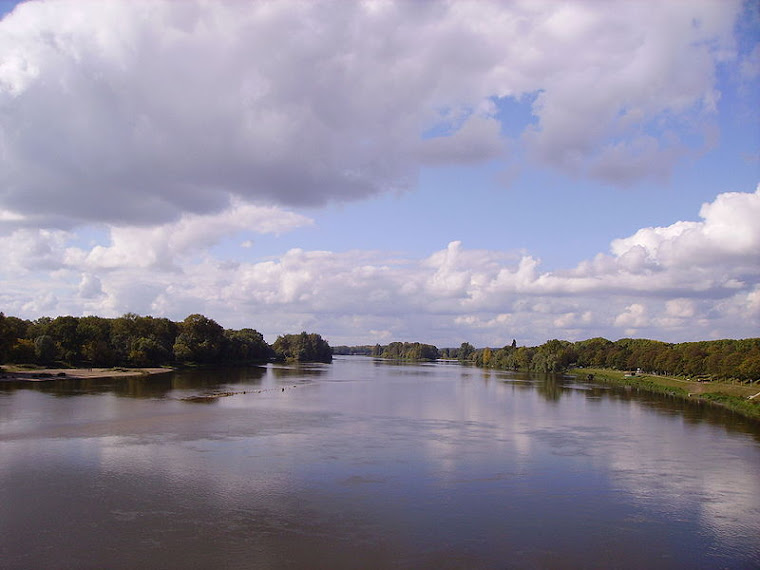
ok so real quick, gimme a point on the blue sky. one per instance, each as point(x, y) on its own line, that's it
point(447, 172)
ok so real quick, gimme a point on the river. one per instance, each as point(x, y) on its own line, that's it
point(370, 464)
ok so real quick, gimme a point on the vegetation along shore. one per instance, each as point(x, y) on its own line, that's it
point(133, 341)
point(739, 397)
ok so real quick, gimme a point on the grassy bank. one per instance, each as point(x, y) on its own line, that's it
point(734, 396)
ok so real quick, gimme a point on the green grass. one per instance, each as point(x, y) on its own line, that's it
point(749, 408)
point(731, 395)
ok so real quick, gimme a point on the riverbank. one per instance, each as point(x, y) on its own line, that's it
point(12, 373)
point(740, 398)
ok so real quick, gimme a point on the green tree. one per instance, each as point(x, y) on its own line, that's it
point(466, 351)
point(163, 331)
point(98, 353)
point(200, 340)
point(246, 345)
point(486, 357)
point(302, 347)
point(22, 351)
point(124, 332)
point(45, 349)
point(64, 331)
point(7, 337)
point(147, 352)
point(749, 369)
point(95, 335)
point(523, 357)
point(39, 327)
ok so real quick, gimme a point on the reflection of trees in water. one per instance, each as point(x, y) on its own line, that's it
point(398, 362)
point(693, 412)
point(553, 386)
point(397, 367)
point(296, 371)
point(549, 388)
point(214, 377)
point(156, 386)
point(149, 386)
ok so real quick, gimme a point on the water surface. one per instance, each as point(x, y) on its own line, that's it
point(365, 463)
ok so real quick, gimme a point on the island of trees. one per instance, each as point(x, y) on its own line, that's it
point(394, 351)
point(135, 341)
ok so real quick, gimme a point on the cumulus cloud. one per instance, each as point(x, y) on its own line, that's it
point(680, 308)
point(654, 283)
point(90, 287)
point(138, 112)
point(161, 246)
point(26, 250)
point(728, 235)
point(632, 318)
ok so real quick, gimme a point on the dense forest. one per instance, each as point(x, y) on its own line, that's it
point(132, 340)
point(713, 359)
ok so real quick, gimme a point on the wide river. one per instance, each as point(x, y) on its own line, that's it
point(368, 464)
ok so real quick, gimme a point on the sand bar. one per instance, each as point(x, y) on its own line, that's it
point(16, 374)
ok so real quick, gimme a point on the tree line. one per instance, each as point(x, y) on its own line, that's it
point(726, 359)
point(394, 351)
point(133, 340)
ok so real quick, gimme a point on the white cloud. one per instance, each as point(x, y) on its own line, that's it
point(192, 234)
point(633, 317)
point(571, 320)
point(138, 112)
point(90, 287)
point(27, 250)
point(680, 308)
point(729, 234)
point(753, 302)
point(653, 284)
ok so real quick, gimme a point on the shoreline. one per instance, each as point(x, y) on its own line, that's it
point(739, 398)
point(18, 374)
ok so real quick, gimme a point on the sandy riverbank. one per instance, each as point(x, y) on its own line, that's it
point(17, 374)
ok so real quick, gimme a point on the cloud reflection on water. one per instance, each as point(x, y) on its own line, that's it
point(382, 455)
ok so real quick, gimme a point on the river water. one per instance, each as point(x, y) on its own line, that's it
point(369, 464)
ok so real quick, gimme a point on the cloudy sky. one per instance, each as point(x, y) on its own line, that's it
point(378, 171)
